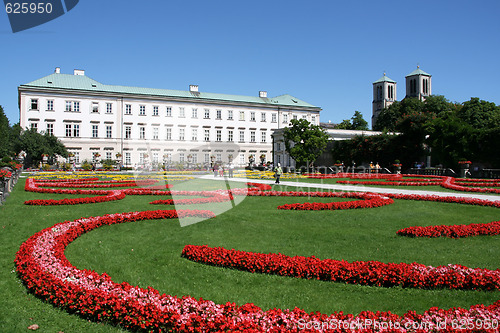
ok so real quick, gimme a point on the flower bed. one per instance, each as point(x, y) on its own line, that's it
point(41, 264)
point(453, 231)
point(372, 273)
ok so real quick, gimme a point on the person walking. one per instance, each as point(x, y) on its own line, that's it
point(278, 172)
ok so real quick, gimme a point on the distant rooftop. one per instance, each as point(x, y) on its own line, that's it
point(384, 79)
point(418, 71)
point(80, 82)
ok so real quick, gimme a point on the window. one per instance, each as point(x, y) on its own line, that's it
point(76, 106)
point(219, 114)
point(207, 114)
point(230, 115)
point(128, 132)
point(34, 104)
point(95, 131)
point(285, 118)
point(168, 134)
point(252, 116)
point(95, 107)
point(206, 158)
point(68, 130)
point(76, 130)
point(194, 113)
point(142, 110)
point(218, 157)
point(128, 159)
point(155, 157)
point(34, 126)
point(142, 132)
point(263, 136)
point(295, 117)
point(194, 134)
point(155, 110)
point(242, 136)
point(182, 133)
point(155, 133)
point(50, 105)
point(218, 135)
point(242, 158)
point(274, 118)
point(182, 113)
point(77, 156)
point(252, 136)
point(168, 112)
point(195, 158)
point(109, 108)
point(242, 115)
point(68, 106)
point(108, 155)
point(128, 109)
point(50, 129)
point(313, 120)
point(141, 158)
point(304, 116)
point(207, 135)
point(230, 136)
point(181, 157)
point(263, 116)
point(109, 131)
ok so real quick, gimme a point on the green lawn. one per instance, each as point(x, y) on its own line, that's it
point(147, 253)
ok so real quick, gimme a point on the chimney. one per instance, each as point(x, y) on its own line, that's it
point(79, 72)
point(58, 70)
point(193, 88)
point(263, 94)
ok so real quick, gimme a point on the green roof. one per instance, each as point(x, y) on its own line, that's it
point(85, 84)
point(418, 71)
point(384, 79)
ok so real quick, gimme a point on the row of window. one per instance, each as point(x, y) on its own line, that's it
point(205, 135)
point(74, 106)
point(167, 157)
point(73, 130)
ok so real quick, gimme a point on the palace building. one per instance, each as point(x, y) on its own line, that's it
point(418, 85)
point(141, 126)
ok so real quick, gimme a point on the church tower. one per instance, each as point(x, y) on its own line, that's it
point(384, 94)
point(418, 84)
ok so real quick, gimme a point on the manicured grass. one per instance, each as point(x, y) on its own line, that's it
point(253, 225)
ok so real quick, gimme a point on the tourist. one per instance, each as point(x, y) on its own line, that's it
point(278, 172)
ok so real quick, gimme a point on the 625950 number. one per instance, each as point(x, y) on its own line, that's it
point(25, 8)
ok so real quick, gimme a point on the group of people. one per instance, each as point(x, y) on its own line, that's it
point(220, 169)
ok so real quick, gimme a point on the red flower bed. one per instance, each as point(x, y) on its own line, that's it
point(103, 195)
point(449, 183)
point(453, 231)
point(42, 266)
point(373, 273)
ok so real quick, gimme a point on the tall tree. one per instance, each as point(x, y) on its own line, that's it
point(5, 142)
point(304, 142)
point(35, 144)
point(358, 123)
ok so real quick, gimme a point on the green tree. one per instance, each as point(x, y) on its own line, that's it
point(35, 144)
point(358, 123)
point(304, 142)
point(480, 114)
point(345, 124)
point(5, 139)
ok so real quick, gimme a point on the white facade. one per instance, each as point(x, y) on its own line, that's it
point(148, 126)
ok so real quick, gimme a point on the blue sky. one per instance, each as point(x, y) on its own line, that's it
point(327, 53)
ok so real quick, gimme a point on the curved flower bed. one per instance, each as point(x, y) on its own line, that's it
point(372, 273)
point(42, 266)
point(449, 183)
point(453, 231)
point(46, 272)
point(103, 196)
